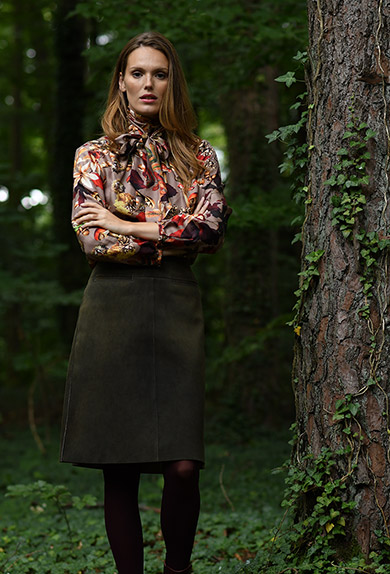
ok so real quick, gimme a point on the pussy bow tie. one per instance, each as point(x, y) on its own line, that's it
point(137, 138)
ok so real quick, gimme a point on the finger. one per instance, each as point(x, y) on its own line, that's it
point(87, 204)
point(90, 223)
point(87, 218)
point(85, 213)
point(199, 205)
point(204, 208)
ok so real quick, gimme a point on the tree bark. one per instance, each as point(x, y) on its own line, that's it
point(339, 352)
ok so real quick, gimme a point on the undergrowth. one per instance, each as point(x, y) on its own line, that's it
point(51, 514)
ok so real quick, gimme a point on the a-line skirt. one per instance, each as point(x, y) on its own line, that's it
point(135, 384)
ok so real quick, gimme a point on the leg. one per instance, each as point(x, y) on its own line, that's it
point(180, 511)
point(123, 523)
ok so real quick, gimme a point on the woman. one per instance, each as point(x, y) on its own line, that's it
point(147, 199)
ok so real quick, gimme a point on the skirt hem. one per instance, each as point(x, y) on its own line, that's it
point(144, 467)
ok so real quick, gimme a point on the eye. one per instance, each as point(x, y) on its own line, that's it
point(161, 75)
point(136, 74)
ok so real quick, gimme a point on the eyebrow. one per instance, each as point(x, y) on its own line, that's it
point(159, 69)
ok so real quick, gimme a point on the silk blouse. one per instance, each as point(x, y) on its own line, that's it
point(135, 180)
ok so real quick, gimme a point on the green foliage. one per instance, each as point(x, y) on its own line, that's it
point(35, 536)
point(253, 537)
point(294, 166)
point(293, 136)
point(220, 48)
point(315, 525)
point(33, 353)
point(325, 518)
point(345, 409)
point(352, 177)
point(58, 494)
point(30, 340)
point(372, 247)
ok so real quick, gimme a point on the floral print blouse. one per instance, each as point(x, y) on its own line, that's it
point(134, 179)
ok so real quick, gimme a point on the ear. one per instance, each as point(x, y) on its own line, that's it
point(121, 83)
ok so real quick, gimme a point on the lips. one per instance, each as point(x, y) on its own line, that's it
point(148, 98)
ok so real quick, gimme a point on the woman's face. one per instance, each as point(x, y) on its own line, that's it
point(145, 80)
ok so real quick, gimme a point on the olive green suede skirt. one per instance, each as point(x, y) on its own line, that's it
point(135, 385)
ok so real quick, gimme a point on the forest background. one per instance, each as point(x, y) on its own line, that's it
point(56, 62)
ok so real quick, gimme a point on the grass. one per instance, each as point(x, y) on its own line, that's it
point(240, 506)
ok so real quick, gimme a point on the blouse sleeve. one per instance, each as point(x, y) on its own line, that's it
point(203, 232)
point(98, 243)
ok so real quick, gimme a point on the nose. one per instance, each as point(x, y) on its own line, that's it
point(148, 81)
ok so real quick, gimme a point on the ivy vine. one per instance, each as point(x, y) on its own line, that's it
point(349, 183)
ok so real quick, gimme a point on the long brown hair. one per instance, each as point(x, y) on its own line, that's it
point(176, 113)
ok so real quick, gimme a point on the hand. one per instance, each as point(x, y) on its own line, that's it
point(92, 214)
point(202, 207)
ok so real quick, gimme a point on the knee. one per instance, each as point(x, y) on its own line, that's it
point(184, 471)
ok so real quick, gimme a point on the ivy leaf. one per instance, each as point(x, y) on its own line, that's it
point(341, 178)
point(370, 134)
point(329, 526)
point(343, 151)
point(331, 181)
point(273, 137)
point(300, 57)
point(314, 256)
point(296, 106)
point(289, 79)
point(354, 408)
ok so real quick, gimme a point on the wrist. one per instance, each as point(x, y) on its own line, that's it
point(129, 228)
point(125, 228)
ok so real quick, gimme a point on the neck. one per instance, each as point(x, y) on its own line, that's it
point(141, 120)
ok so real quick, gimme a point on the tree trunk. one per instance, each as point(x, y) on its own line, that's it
point(70, 41)
point(16, 139)
point(342, 366)
point(258, 376)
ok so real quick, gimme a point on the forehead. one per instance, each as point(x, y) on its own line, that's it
point(148, 58)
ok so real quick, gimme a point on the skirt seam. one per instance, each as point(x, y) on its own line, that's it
point(154, 368)
point(66, 421)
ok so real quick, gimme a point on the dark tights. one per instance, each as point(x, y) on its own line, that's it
point(179, 514)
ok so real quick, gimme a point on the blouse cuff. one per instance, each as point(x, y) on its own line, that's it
point(162, 236)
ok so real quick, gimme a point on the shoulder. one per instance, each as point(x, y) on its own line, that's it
point(93, 154)
point(208, 155)
point(94, 147)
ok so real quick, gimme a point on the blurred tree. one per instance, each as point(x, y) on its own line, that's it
point(31, 349)
point(258, 355)
point(25, 41)
point(68, 129)
point(341, 366)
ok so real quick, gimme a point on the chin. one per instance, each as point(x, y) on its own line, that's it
point(147, 111)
